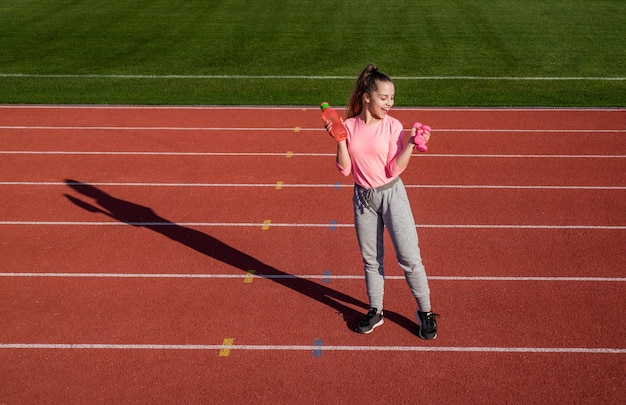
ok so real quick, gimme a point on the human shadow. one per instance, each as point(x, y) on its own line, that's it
point(140, 216)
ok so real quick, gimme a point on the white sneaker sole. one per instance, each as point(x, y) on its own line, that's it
point(374, 326)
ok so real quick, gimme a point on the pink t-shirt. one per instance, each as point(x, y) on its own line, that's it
point(373, 150)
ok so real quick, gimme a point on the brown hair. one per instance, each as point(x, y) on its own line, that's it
point(365, 83)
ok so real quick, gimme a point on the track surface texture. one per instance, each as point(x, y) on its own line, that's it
point(207, 255)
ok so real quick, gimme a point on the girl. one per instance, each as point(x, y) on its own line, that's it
point(375, 155)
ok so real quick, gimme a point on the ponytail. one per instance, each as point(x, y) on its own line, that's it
point(365, 83)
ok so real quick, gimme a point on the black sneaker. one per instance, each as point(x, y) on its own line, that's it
point(427, 324)
point(370, 321)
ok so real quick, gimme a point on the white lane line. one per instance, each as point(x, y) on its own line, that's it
point(292, 225)
point(308, 348)
point(143, 128)
point(287, 185)
point(292, 107)
point(297, 154)
point(304, 77)
point(140, 153)
point(292, 129)
point(308, 277)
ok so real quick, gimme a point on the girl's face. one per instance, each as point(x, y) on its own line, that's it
point(379, 102)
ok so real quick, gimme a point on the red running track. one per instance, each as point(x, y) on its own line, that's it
point(206, 255)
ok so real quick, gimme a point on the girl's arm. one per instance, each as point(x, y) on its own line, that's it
point(344, 162)
point(402, 161)
point(342, 159)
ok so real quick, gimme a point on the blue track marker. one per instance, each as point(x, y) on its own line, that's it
point(318, 344)
point(326, 276)
point(333, 225)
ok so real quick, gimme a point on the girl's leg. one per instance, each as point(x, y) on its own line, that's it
point(369, 231)
point(399, 220)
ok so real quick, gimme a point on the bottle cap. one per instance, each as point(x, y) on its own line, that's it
point(324, 105)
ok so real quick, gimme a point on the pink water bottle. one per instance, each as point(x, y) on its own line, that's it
point(337, 129)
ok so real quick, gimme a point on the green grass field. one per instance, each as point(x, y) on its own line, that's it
point(450, 53)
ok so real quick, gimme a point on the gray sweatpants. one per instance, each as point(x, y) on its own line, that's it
point(388, 206)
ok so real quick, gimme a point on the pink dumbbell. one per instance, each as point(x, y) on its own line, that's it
point(419, 140)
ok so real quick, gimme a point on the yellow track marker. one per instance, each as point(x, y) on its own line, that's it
point(296, 129)
point(249, 276)
point(289, 153)
point(266, 225)
point(279, 185)
point(224, 352)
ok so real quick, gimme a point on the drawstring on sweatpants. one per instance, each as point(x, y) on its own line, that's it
point(365, 196)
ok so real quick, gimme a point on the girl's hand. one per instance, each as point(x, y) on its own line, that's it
point(420, 135)
point(426, 134)
point(327, 125)
point(341, 136)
